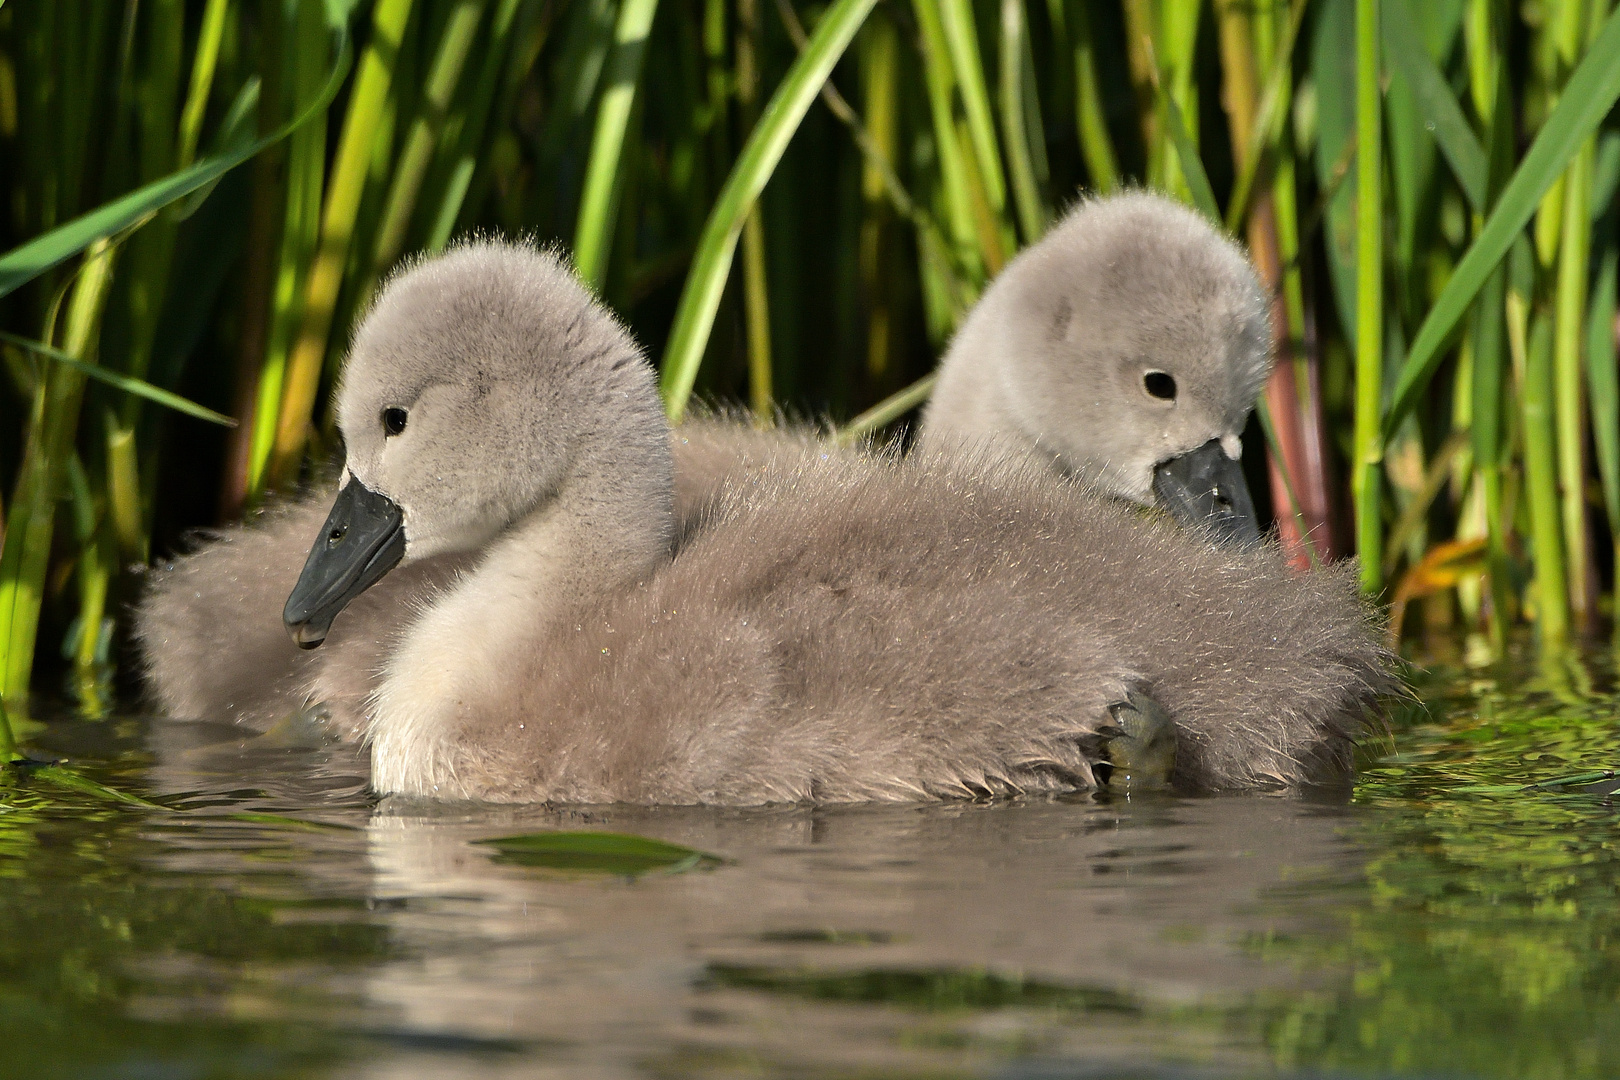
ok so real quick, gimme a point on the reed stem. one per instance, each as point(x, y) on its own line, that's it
point(1369, 298)
point(598, 208)
point(25, 554)
point(308, 355)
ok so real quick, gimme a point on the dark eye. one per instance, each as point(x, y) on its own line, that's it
point(393, 421)
point(1160, 385)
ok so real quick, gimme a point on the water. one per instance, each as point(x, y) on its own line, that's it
point(278, 923)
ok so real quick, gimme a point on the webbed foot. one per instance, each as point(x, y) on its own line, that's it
point(1143, 752)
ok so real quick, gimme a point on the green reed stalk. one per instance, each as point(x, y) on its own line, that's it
point(417, 153)
point(124, 492)
point(700, 299)
point(598, 207)
point(1176, 39)
point(756, 293)
point(94, 570)
point(1541, 483)
point(1602, 378)
point(204, 62)
point(308, 355)
point(962, 46)
point(1265, 132)
point(887, 411)
point(1482, 171)
point(1096, 145)
point(1591, 91)
point(1369, 297)
point(25, 554)
point(454, 177)
point(954, 167)
point(879, 52)
point(1570, 313)
point(300, 235)
point(1489, 349)
point(1015, 129)
point(151, 249)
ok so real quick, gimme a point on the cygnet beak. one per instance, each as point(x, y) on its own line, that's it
point(363, 539)
point(1204, 488)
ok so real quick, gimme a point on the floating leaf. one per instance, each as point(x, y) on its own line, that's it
point(62, 776)
point(598, 852)
point(700, 298)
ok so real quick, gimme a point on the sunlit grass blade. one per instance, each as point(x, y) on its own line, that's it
point(22, 264)
point(598, 206)
point(422, 138)
point(955, 176)
point(1192, 168)
point(138, 387)
point(509, 35)
point(1443, 117)
point(300, 235)
point(1096, 144)
point(1369, 298)
point(887, 411)
point(962, 43)
point(1602, 378)
point(1016, 133)
point(1587, 98)
point(344, 188)
point(1574, 250)
point(1269, 119)
point(1541, 484)
point(25, 554)
point(700, 299)
point(204, 63)
point(1488, 434)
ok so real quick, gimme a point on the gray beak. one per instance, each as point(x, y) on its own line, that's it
point(1205, 489)
point(363, 539)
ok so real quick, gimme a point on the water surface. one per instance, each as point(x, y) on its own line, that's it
point(277, 921)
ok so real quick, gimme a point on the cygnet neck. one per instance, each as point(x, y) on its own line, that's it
point(609, 523)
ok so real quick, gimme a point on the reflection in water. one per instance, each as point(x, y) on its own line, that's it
point(278, 923)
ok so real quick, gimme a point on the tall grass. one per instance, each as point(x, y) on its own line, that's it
point(201, 195)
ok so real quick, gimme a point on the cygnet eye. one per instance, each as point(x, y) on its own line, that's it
point(393, 421)
point(1160, 384)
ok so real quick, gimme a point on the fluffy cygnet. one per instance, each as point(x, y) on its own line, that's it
point(842, 628)
point(1126, 348)
point(1149, 287)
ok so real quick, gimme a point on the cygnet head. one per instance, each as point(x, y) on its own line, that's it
point(480, 385)
point(1127, 347)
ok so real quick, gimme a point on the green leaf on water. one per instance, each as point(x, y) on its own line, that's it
point(598, 852)
point(64, 777)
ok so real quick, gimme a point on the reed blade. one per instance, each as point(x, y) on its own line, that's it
point(598, 207)
point(700, 299)
point(27, 261)
point(1590, 93)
